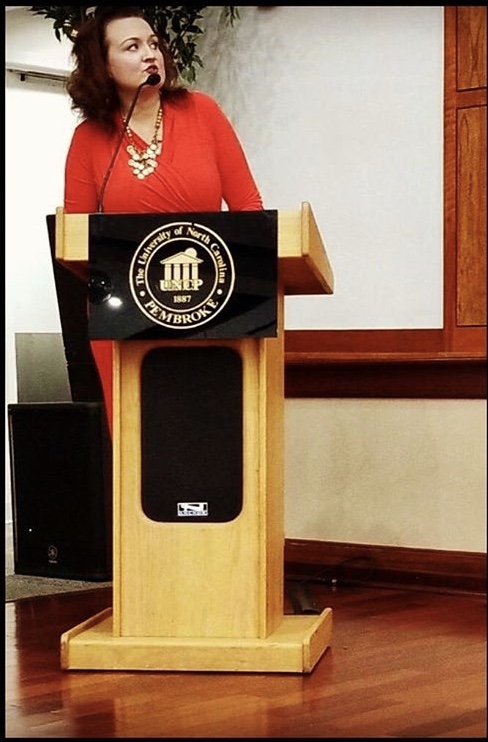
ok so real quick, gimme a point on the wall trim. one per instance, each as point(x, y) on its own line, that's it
point(332, 562)
point(316, 375)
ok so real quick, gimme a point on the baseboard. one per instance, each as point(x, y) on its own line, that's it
point(333, 562)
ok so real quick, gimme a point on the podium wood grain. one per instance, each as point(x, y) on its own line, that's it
point(202, 579)
point(205, 595)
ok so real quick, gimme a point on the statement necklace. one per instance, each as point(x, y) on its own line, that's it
point(144, 162)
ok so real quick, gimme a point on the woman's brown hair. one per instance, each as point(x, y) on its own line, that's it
point(92, 91)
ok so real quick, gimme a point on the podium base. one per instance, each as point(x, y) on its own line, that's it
point(296, 646)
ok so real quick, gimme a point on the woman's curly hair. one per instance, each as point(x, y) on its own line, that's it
point(92, 91)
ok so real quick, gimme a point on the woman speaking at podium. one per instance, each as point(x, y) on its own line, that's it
point(145, 144)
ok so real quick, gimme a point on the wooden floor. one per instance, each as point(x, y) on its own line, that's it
point(402, 663)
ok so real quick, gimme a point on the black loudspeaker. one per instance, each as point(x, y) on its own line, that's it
point(61, 475)
point(192, 434)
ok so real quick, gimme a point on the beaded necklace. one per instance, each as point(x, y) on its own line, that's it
point(144, 162)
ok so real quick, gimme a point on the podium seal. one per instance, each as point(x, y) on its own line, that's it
point(182, 275)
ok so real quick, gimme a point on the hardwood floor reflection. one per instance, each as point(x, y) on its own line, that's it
point(403, 663)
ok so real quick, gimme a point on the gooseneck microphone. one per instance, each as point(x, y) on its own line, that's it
point(151, 80)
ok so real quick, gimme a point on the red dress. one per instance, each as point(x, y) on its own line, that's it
point(202, 167)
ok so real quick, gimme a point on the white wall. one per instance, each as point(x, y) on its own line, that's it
point(341, 107)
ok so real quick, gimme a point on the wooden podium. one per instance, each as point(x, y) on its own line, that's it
point(194, 595)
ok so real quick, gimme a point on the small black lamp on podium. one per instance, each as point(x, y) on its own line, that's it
point(194, 304)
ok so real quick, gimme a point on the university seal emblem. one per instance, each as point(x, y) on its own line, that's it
point(182, 275)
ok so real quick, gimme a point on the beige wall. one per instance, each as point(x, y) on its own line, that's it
point(392, 472)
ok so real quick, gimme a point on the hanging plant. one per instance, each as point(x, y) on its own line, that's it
point(179, 25)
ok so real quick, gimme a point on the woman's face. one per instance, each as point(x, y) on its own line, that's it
point(132, 53)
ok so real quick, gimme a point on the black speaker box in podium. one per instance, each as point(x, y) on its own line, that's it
point(61, 478)
point(192, 423)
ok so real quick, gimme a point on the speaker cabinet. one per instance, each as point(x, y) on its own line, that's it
point(61, 475)
point(192, 435)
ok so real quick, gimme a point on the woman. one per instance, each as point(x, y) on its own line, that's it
point(177, 153)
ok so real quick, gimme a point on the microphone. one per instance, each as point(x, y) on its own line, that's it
point(152, 80)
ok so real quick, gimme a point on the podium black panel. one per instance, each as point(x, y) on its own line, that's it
point(61, 476)
point(184, 276)
point(192, 439)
